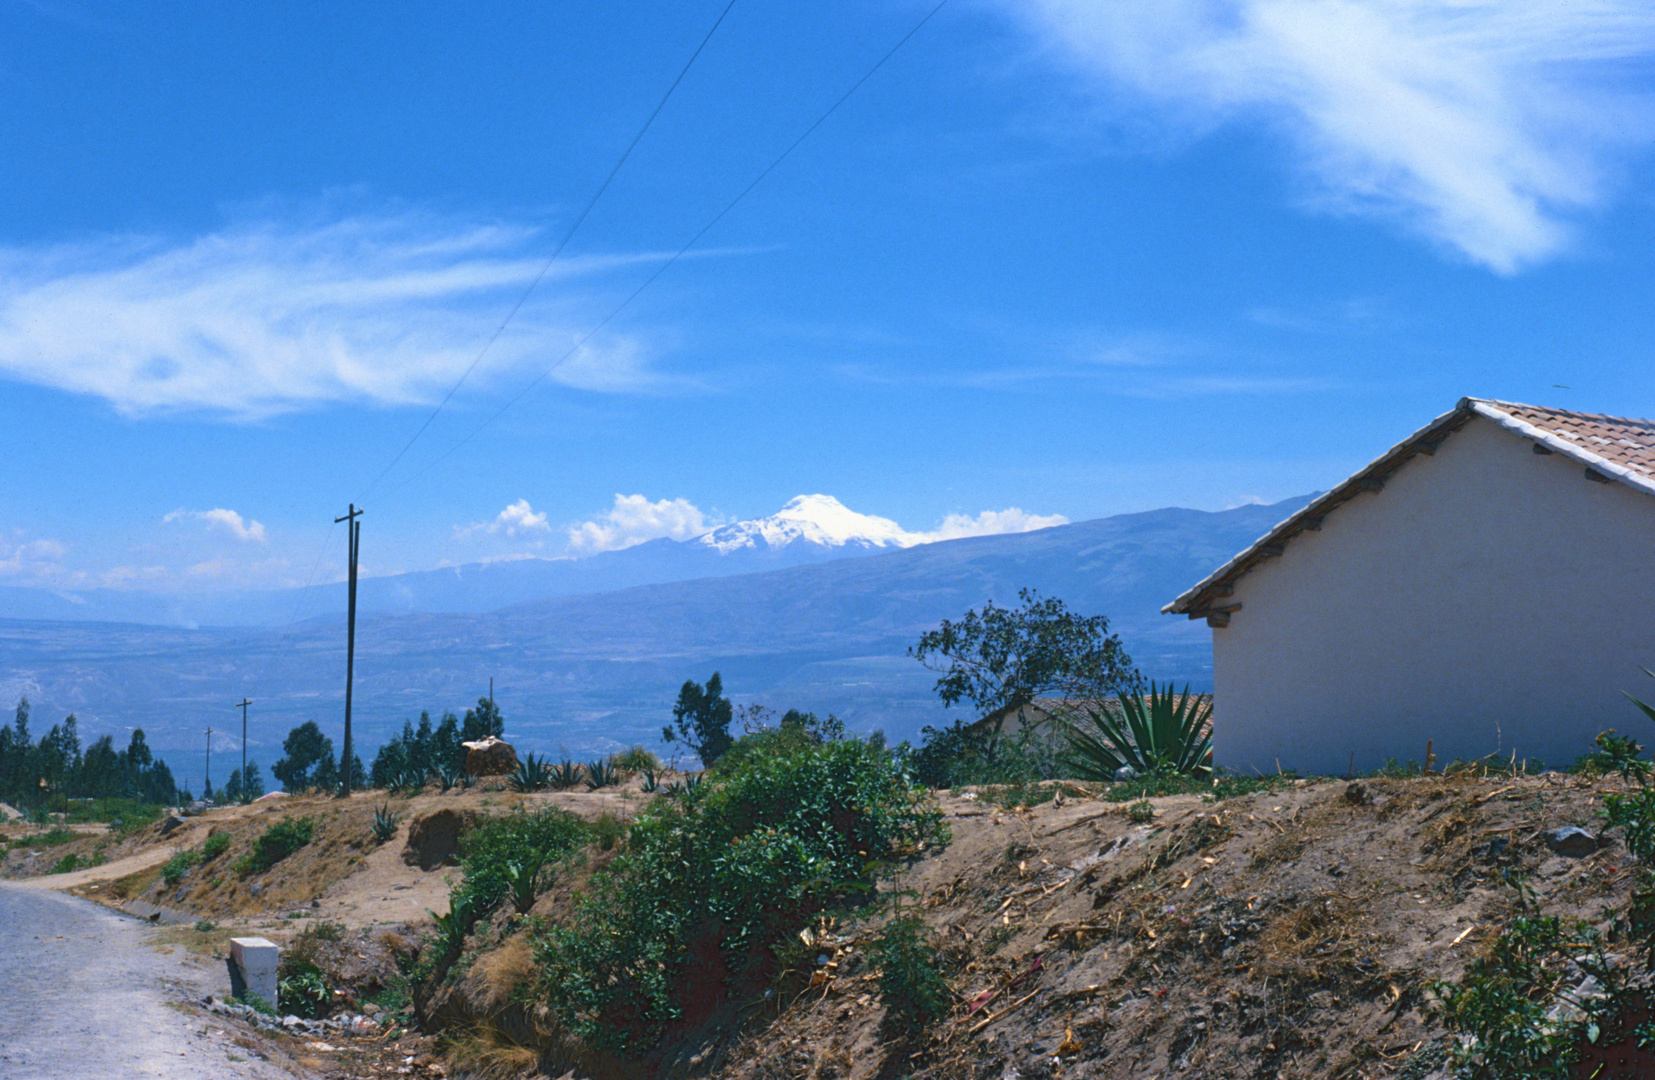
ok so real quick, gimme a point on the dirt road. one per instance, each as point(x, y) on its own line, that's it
point(81, 995)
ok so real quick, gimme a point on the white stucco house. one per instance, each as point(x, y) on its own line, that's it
point(1487, 584)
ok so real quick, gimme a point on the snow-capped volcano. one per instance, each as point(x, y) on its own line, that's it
point(820, 520)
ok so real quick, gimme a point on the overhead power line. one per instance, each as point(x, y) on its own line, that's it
point(650, 280)
point(580, 219)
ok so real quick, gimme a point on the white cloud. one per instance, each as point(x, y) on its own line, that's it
point(34, 560)
point(264, 318)
point(633, 520)
point(989, 523)
point(518, 519)
point(227, 520)
point(1485, 125)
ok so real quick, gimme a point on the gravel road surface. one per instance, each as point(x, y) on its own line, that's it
point(82, 995)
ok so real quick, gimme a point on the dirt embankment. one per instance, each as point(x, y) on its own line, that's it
point(1288, 933)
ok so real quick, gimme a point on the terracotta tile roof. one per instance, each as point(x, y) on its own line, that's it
point(1620, 441)
point(1610, 448)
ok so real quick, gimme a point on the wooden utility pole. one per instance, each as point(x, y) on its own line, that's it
point(354, 529)
point(208, 794)
point(242, 704)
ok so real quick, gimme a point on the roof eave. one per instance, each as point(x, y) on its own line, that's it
point(1196, 601)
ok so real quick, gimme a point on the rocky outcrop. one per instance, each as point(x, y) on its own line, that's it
point(434, 840)
point(490, 757)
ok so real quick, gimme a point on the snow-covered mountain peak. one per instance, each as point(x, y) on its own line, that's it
point(821, 520)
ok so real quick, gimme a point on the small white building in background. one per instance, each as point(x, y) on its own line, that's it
point(1487, 584)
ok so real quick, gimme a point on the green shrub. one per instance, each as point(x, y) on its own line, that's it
point(216, 844)
point(739, 863)
point(911, 980)
point(56, 836)
point(302, 990)
point(174, 869)
point(68, 864)
point(526, 839)
point(635, 759)
point(205, 926)
point(1141, 812)
point(275, 844)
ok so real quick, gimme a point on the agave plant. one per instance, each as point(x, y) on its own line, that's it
point(649, 784)
point(462, 915)
point(1161, 733)
point(385, 823)
point(601, 774)
point(530, 774)
point(566, 775)
point(447, 776)
point(525, 881)
point(408, 782)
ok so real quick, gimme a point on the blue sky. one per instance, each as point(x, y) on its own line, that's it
point(1060, 257)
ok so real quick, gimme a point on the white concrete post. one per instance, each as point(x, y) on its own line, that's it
point(256, 960)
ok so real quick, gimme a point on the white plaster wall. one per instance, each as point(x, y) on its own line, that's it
point(1489, 599)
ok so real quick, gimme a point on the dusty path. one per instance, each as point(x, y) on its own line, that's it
point(82, 995)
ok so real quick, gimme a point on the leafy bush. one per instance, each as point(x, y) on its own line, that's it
point(302, 991)
point(1163, 733)
point(526, 839)
point(911, 980)
point(635, 759)
point(1507, 1001)
point(56, 836)
point(67, 865)
point(1141, 812)
point(736, 863)
point(275, 844)
point(174, 869)
point(216, 844)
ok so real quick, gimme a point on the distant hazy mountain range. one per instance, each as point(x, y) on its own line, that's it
point(809, 529)
point(808, 609)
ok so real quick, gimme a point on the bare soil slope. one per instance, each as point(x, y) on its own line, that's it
point(1290, 933)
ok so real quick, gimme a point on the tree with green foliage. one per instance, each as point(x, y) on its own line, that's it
point(1000, 660)
point(242, 789)
point(702, 716)
point(302, 751)
point(483, 721)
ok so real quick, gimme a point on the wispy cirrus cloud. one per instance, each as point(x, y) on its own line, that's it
point(269, 317)
point(225, 520)
point(1487, 126)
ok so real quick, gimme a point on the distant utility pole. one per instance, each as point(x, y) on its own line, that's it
point(354, 529)
point(209, 772)
point(242, 704)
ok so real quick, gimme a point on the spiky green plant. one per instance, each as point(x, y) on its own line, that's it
point(649, 784)
point(1647, 710)
point(525, 882)
point(530, 774)
point(385, 823)
point(408, 782)
point(447, 776)
point(565, 775)
point(1163, 733)
point(600, 774)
